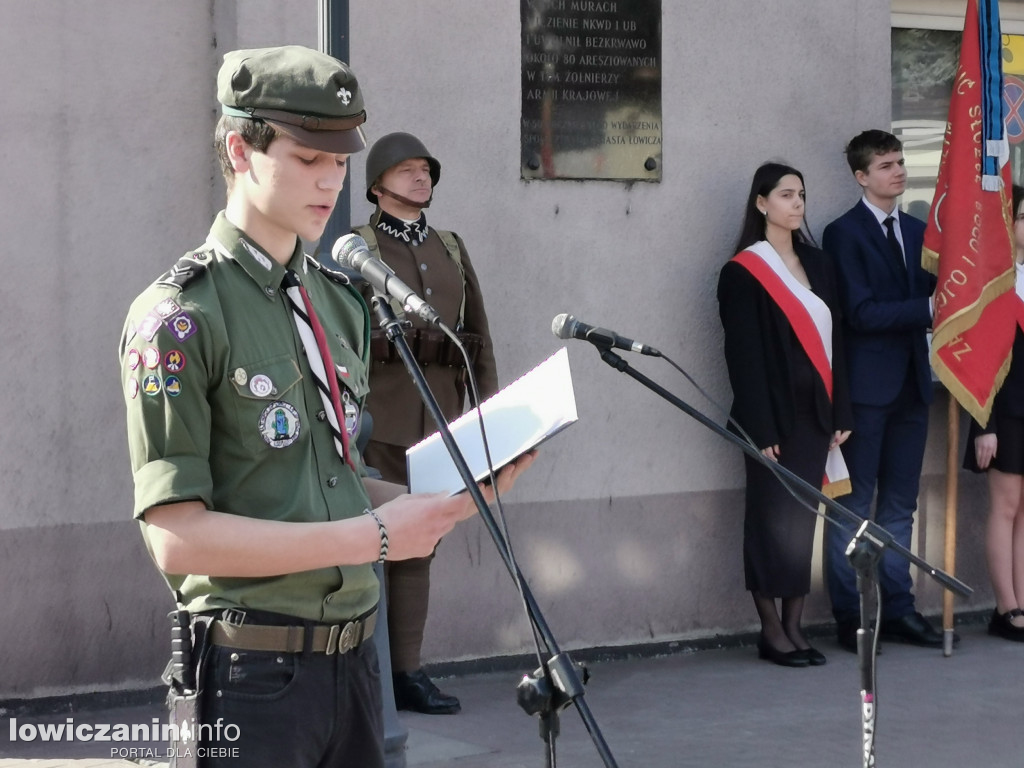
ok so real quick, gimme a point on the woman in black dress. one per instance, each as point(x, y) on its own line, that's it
point(998, 448)
point(778, 303)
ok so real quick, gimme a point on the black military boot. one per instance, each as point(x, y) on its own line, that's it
point(416, 692)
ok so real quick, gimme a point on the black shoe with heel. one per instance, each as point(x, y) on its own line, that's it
point(783, 658)
point(1001, 625)
point(814, 657)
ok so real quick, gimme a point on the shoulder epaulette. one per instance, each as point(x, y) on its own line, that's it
point(187, 270)
point(339, 274)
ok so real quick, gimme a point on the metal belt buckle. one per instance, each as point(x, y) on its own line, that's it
point(342, 639)
point(332, 639)
point(349, 637)
point(233, 616)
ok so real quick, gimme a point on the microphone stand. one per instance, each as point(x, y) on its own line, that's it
point(559, 681)
point(864, 550)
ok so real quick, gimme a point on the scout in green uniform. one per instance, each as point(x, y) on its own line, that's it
point(244, 373)
point(400, 179)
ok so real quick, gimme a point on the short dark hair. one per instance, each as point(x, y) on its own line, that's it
point(864, 146)
point(257, 133)
point(766, 178)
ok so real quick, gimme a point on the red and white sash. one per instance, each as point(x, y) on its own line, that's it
point(811, 321)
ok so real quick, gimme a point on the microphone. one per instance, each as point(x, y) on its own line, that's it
point(352, 252)
point(565, 326)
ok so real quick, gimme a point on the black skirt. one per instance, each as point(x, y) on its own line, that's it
point(1009, 456)
point(778, 530)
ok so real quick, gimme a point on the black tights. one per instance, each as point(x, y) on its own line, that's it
point(781, 633)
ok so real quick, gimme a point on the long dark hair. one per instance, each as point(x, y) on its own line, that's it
point(766, 178)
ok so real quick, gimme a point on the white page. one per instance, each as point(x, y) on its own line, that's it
point(528, 411)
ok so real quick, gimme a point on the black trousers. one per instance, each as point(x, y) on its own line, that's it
point(302, 710)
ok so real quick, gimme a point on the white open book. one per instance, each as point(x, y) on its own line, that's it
point(527, 412)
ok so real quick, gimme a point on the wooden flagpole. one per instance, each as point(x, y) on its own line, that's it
point(952, 467)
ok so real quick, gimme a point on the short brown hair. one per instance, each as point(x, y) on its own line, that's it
point(864, 146)
point(258, 134)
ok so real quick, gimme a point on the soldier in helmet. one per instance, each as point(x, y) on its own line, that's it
point(400, 179)
point(249, 486)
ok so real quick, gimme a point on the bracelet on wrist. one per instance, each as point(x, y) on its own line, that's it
point(383, 529)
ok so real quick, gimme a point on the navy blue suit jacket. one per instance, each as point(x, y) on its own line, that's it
point(885, 309)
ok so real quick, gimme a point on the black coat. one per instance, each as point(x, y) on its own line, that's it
point(760, 349)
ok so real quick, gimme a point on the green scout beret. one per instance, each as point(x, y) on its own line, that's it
point(312, 97)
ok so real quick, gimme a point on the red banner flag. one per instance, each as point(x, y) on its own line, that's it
point(968, 242)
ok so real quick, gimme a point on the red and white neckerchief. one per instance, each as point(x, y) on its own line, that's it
point(811, 321)
point(314, 341)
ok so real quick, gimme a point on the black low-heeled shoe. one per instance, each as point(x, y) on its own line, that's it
point(782, 658)
point(814, 657)
point(1001, 625)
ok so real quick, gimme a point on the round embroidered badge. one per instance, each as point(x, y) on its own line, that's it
point(279, 424)
point(174, 361)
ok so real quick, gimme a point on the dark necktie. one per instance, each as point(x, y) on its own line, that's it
point(894, 244)
point(314, 341)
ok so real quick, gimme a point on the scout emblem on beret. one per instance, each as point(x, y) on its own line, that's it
point(174, 361)
point(279, 424)
point(345, 95)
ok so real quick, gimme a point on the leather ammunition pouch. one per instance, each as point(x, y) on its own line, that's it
point(429, 347)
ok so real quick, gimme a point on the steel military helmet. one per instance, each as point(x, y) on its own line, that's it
point(389, 151)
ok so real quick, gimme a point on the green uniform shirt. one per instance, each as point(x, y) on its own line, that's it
point(222, 408)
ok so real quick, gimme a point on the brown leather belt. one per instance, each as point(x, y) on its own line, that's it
point(429, 346)
point(334, 638)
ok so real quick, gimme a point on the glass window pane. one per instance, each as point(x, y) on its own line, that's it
point(924, 64)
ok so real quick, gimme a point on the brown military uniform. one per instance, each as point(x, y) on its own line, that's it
point(400, 419)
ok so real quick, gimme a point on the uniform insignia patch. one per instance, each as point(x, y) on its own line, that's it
point(151, 357)
point(342, 371)
point(262, 260)
point(172, 385)
point(133, 388)
point(261, 385)
point(166, 308)
point(174, 361)
point(182, 273)
point(149, 326)
point(151, 385)
point(279, 424)
point(133, 360)
point(182, 326)
point(240, 376)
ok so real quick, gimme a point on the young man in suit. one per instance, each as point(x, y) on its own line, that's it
point(887, 308)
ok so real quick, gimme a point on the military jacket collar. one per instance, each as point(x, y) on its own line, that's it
point(412, 232)
point(232, 243)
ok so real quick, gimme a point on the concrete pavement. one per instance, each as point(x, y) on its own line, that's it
point(715, 707)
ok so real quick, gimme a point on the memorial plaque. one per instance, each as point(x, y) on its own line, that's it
point(591, 89)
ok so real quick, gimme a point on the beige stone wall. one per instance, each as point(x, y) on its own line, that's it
point(628, 527)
